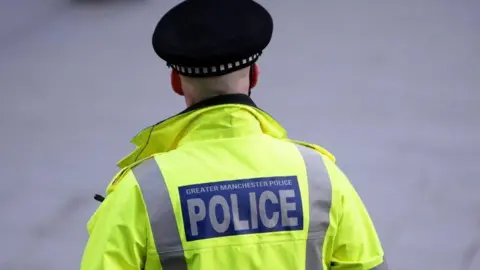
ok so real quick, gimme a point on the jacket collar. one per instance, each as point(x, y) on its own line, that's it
point(161, 136)
point(240, 99)
point(164, 136)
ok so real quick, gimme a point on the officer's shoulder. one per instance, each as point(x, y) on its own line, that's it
point(126, 179)
point(316, 148)
point(340, 182)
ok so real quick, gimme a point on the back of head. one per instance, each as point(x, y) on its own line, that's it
point(212, 45)
point(198, 89)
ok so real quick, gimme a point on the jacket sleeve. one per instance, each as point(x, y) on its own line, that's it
point(356, 244)
point(118, 230)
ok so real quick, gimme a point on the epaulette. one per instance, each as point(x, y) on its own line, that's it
point(118, 178)
point(111, 186)
point(317, 148)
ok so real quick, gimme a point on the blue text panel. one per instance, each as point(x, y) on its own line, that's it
point(239, 207)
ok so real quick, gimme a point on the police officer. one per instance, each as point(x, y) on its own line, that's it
point(220, 185)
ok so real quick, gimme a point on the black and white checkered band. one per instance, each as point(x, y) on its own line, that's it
point(215, 70)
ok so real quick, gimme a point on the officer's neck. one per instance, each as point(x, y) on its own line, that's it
point(242, 99)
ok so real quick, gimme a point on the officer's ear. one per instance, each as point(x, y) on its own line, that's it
point(176, 82)
point(254, 75)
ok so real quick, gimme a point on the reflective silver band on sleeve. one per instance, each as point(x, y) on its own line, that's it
point(161, 215)
point(320, 199)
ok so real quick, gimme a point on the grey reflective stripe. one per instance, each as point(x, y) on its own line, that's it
point(382, 266)
point(162, 217)
point(320, 199)
point(164, 225)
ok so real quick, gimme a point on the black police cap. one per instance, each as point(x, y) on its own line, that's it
point(202, 38)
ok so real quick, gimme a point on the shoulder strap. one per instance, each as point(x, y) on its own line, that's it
point(117, 178)
point(315, 147)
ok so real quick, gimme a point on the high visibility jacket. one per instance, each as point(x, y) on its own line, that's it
point(220, 186)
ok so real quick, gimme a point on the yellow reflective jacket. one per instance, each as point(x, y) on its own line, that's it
point(226, 138)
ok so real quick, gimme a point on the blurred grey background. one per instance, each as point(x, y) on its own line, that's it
point(390, 87)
